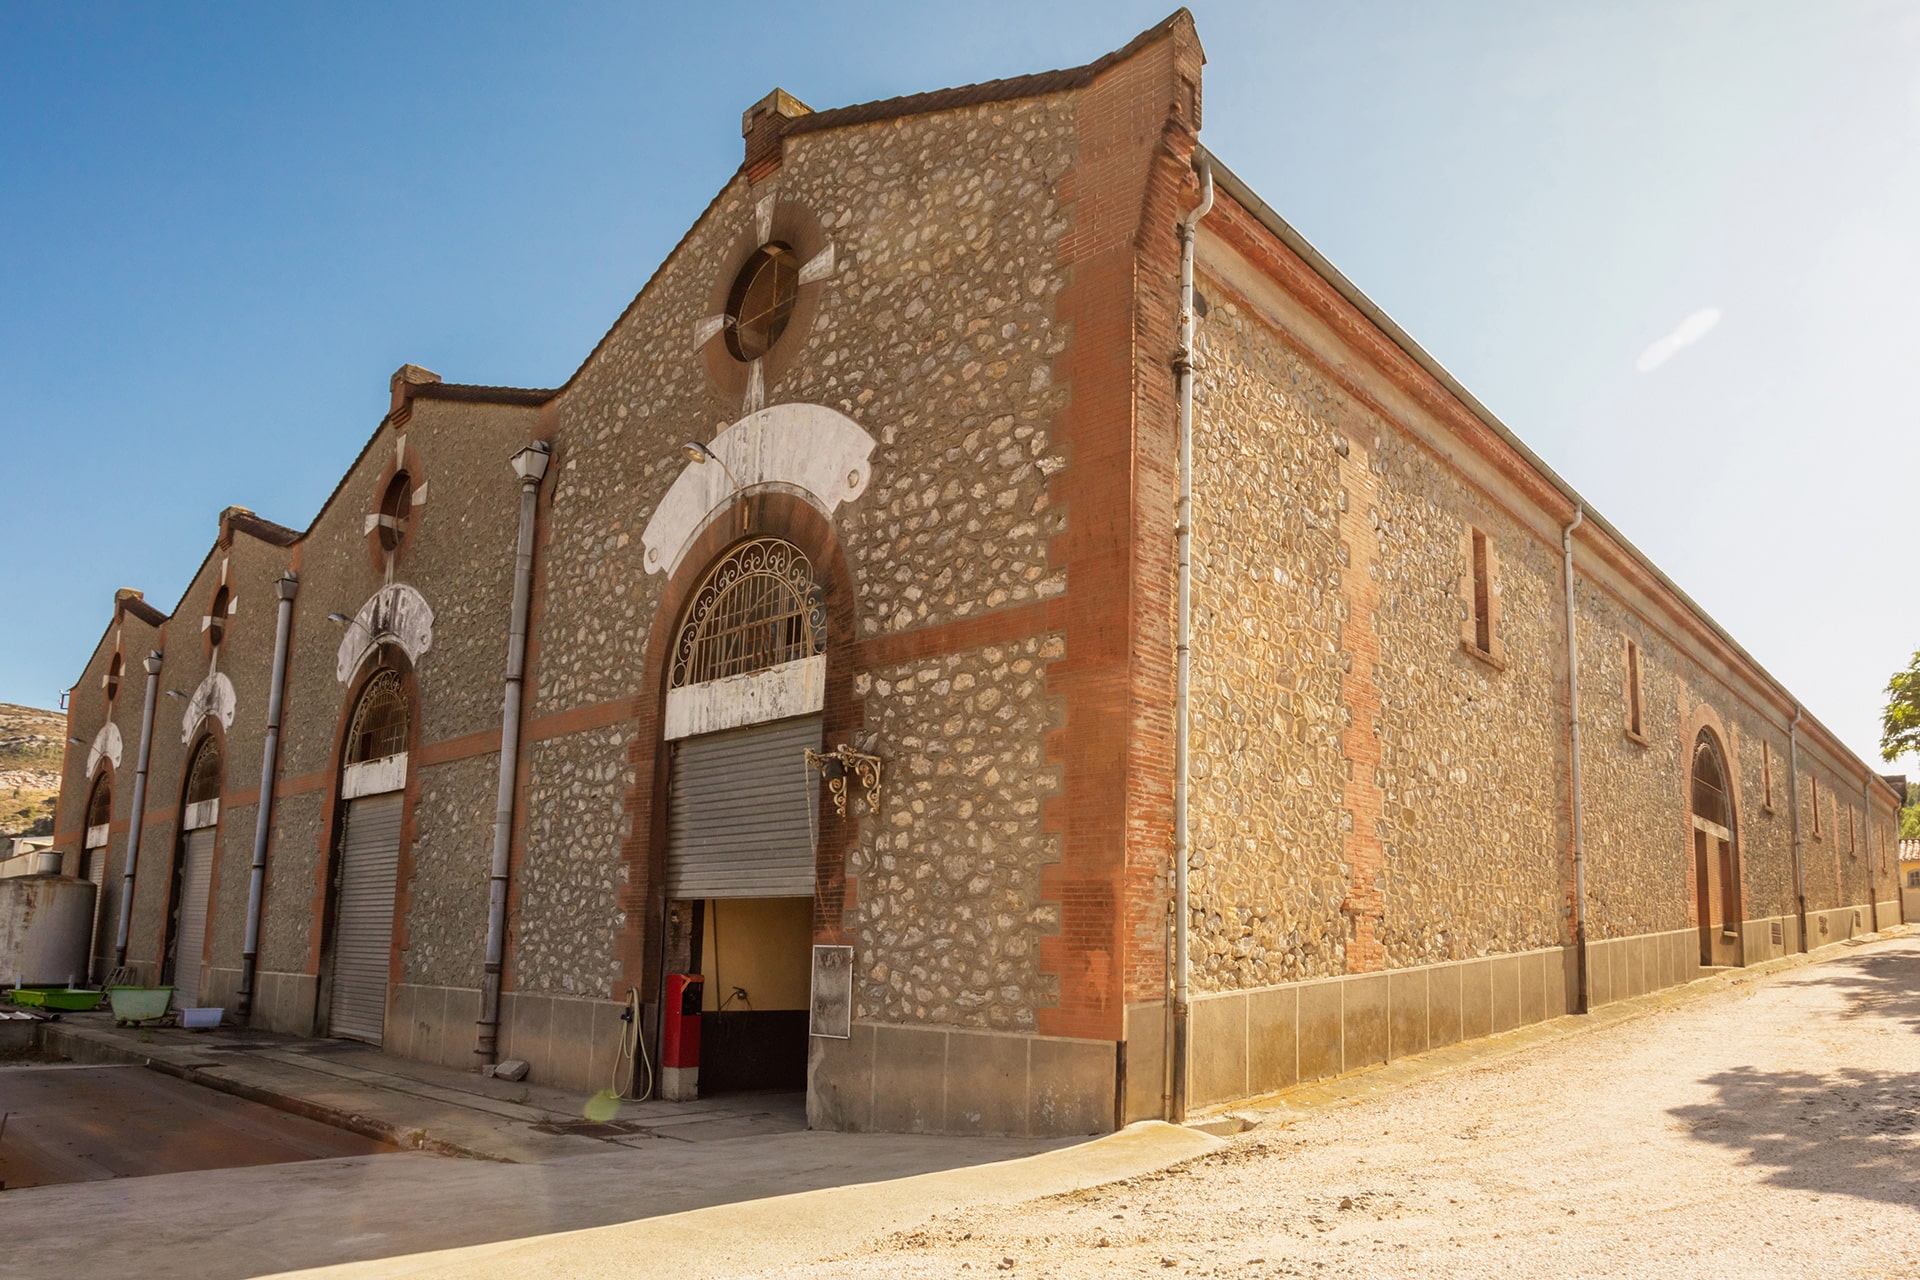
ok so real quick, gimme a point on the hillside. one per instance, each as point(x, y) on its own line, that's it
point(32, 743)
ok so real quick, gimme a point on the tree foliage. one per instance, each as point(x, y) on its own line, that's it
point(1900, 722)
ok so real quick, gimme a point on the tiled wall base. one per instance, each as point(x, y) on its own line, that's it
point(1621, 968)
point(566, 1042)
point(1246, 1043)
point(898, 1079)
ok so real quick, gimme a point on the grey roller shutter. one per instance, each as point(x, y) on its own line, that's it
point(738, 817)
point(196, 873)
point(363, 934)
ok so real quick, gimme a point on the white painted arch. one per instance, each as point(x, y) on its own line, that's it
point(810, 450)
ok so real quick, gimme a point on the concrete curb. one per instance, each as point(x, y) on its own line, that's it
point(786, 1230)
point(74, 1043)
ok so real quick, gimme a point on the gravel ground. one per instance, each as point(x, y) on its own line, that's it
point(1770, 1126)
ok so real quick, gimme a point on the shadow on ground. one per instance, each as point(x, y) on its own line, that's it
point(1883, 984)
point(1850, 1132)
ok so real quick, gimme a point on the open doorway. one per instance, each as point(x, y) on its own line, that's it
point(755, 954)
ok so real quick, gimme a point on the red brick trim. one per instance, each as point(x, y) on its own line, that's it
point(643, 897)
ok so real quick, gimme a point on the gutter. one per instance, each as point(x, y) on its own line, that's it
point(286, 588)
point(1581, 1000)
point(1793, 801)
point(137, 822)
point(530, 464)
point(1183, 649)
point(1244, 196)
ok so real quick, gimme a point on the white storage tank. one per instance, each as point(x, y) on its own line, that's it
point(45, 922)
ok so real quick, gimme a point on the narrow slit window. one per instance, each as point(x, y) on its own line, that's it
point(1813, 784)
point(1482, 595)
point(1766, 776)
point(1633, 690)
point(1852, 848)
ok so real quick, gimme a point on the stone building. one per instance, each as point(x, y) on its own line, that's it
point(818, 636)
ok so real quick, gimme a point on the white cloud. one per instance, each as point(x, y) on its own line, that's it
point(1691, 330)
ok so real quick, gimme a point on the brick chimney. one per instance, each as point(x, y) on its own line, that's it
point(404, 379)
point(763, 125)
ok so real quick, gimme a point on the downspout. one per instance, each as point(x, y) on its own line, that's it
point(1793, 801)
point(1866, 838)
point(1581, 989)
point(152, 665)
point(530, 464)
point(286, 588)
point(1182, 644)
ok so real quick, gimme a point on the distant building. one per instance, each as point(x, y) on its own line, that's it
point(850, 662)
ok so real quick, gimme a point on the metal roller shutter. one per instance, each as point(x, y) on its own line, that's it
point(196, 873)
point(738, 814)
point(363, 936)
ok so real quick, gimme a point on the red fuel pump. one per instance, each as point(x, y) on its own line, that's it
point(680, 1037)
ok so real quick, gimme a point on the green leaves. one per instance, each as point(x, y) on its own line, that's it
point(1900, 722)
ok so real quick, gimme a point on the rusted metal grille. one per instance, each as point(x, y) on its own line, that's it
point(380, 721)
point(759, 607)
point(761, 300)
point(1709, 783)
point(203, 775)
point(100, 807)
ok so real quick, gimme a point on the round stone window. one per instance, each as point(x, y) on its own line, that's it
point(761, 300)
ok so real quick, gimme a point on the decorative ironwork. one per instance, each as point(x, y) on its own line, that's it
point(205, 773)
point(1709, 783)
point(837, 765)
point(759, 607)
point(380, 722)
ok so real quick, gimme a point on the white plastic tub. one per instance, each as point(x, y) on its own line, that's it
point(200, 1019)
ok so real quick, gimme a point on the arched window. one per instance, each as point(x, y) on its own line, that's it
point(217, 620)
point(380, 722)
point(396, 509)
point(1710, 783)
point(100, 803)
point(204, 774)
point(759, 607)
point(114, 670)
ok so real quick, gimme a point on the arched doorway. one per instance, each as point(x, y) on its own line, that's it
point(93, 857)
point(745, 690)
point(193, 872)
point(1716, 862)
point(366, 862)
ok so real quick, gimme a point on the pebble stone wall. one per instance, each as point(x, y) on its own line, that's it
point(564, 926)
point(935, 333)
point(1635, 810)
point(1267, 876)
point(949, 909)
point(451, 856)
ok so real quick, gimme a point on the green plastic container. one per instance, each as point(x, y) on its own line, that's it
point(141, 1004)
point(72, 999)
point(31, 996)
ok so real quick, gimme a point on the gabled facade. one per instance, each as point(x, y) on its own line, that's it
point(831, 606)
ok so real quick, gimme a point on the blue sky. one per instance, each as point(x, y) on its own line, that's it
point(221, 228)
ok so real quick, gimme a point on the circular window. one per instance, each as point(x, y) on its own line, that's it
point(217, 620)
point(762, 300)
point(396, 508)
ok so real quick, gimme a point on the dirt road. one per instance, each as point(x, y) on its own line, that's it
point(1770, 1127)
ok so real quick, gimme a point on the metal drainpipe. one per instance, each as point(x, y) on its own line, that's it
point(530, 464)
point(286, 588)
point(152, 665)
point(1581, 989)
point(1866, 837)
point(1793, 802)
point(1182, 644)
